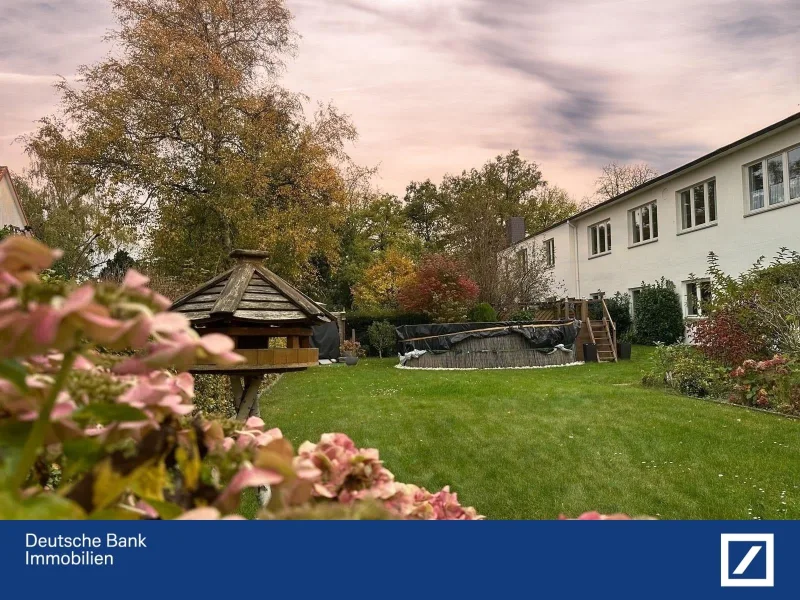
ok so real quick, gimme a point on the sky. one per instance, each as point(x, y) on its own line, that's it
point(439, 86)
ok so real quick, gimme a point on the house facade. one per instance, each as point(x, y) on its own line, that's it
point(741, 202)
point(11, 212)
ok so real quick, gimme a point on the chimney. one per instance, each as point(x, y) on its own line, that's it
point(515, 230)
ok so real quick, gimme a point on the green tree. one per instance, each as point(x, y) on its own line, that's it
point(476, 206)
point(423, 211)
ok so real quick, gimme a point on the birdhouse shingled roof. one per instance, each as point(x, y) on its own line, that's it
point(252, 293)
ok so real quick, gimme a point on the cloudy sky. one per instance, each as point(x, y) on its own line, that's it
point(436, 86)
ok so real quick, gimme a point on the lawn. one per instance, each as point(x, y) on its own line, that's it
point(531, 444)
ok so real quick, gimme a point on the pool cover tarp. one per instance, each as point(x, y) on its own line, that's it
point(441, 337)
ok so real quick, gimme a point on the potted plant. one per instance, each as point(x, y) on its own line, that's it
point(624, 346)
point(351, 351)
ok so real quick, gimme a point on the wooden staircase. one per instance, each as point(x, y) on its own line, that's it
point(606, 349)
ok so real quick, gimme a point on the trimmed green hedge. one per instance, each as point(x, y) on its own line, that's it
point(658, 316)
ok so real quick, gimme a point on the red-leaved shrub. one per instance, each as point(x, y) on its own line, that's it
point(439, 288)
point(722, 337)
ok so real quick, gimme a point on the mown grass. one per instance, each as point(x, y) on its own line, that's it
point(531, 444)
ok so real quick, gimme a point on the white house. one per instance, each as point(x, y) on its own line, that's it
point(741, 201)
point(11, 212)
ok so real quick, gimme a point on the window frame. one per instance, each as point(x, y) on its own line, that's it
point(522, 259)
point(635, 214)
point(698, 297)
point(605, 224)
point(787, 182)
point(693, 205)
point(633, 292)
point(550, 252)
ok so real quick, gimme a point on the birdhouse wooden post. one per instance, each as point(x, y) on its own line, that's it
point(269, 320)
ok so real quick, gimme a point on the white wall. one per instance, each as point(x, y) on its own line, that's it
point(9, 210)
point(738, 240)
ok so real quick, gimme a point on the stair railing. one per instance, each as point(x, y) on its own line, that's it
point(611, 328)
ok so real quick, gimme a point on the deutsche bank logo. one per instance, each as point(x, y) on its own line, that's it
point(748, 559)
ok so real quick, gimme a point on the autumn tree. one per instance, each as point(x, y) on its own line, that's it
point(382, 280)
point(617, 179)
point(441, 288)
point(187, 120)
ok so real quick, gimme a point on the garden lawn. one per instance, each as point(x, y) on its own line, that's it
point(532, 444)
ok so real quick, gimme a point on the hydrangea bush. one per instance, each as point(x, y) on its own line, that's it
point(97, 420)
point(772, 384)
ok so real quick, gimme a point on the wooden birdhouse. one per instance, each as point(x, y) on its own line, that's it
point(269, 320)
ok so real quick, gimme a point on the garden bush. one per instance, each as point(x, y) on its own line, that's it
point(482, 313)
point(658, 316)
point(382, 337)
point(772, 384)
point(762, 306)
point(619, 307)
point(685, 369)
point(522, 316)
point(728, 336)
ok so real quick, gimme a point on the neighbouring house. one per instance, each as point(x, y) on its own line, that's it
point(741, 201)
point(11, 212)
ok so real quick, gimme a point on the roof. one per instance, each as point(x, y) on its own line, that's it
point(5, 172)
point(249, 293)
point(674, 172)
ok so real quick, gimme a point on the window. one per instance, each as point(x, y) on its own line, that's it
point(698, 205)
point(794, 174)
point(550, 252)
point(522, 259)
point(600, 238)
point(698, 295)
point(644, 223)
point(774, 180)
point(635, 293)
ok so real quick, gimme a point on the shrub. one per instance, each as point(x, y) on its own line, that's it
point(725, 337)
point(619, 307)
point(522, 315)
point(351, 348)
point(772, 384)
point(439, 288)
point(685, 369)
point(482, 313)
point(658, 316)
point(765, 302)
point(382, 337)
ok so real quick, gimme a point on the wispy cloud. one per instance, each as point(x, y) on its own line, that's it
point(436, 86)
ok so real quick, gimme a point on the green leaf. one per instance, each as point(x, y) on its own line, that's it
point(166, 510)
point(103, 414)
point(80, 454)
point(46, 506)
point(14, 372)
point(12, 439)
